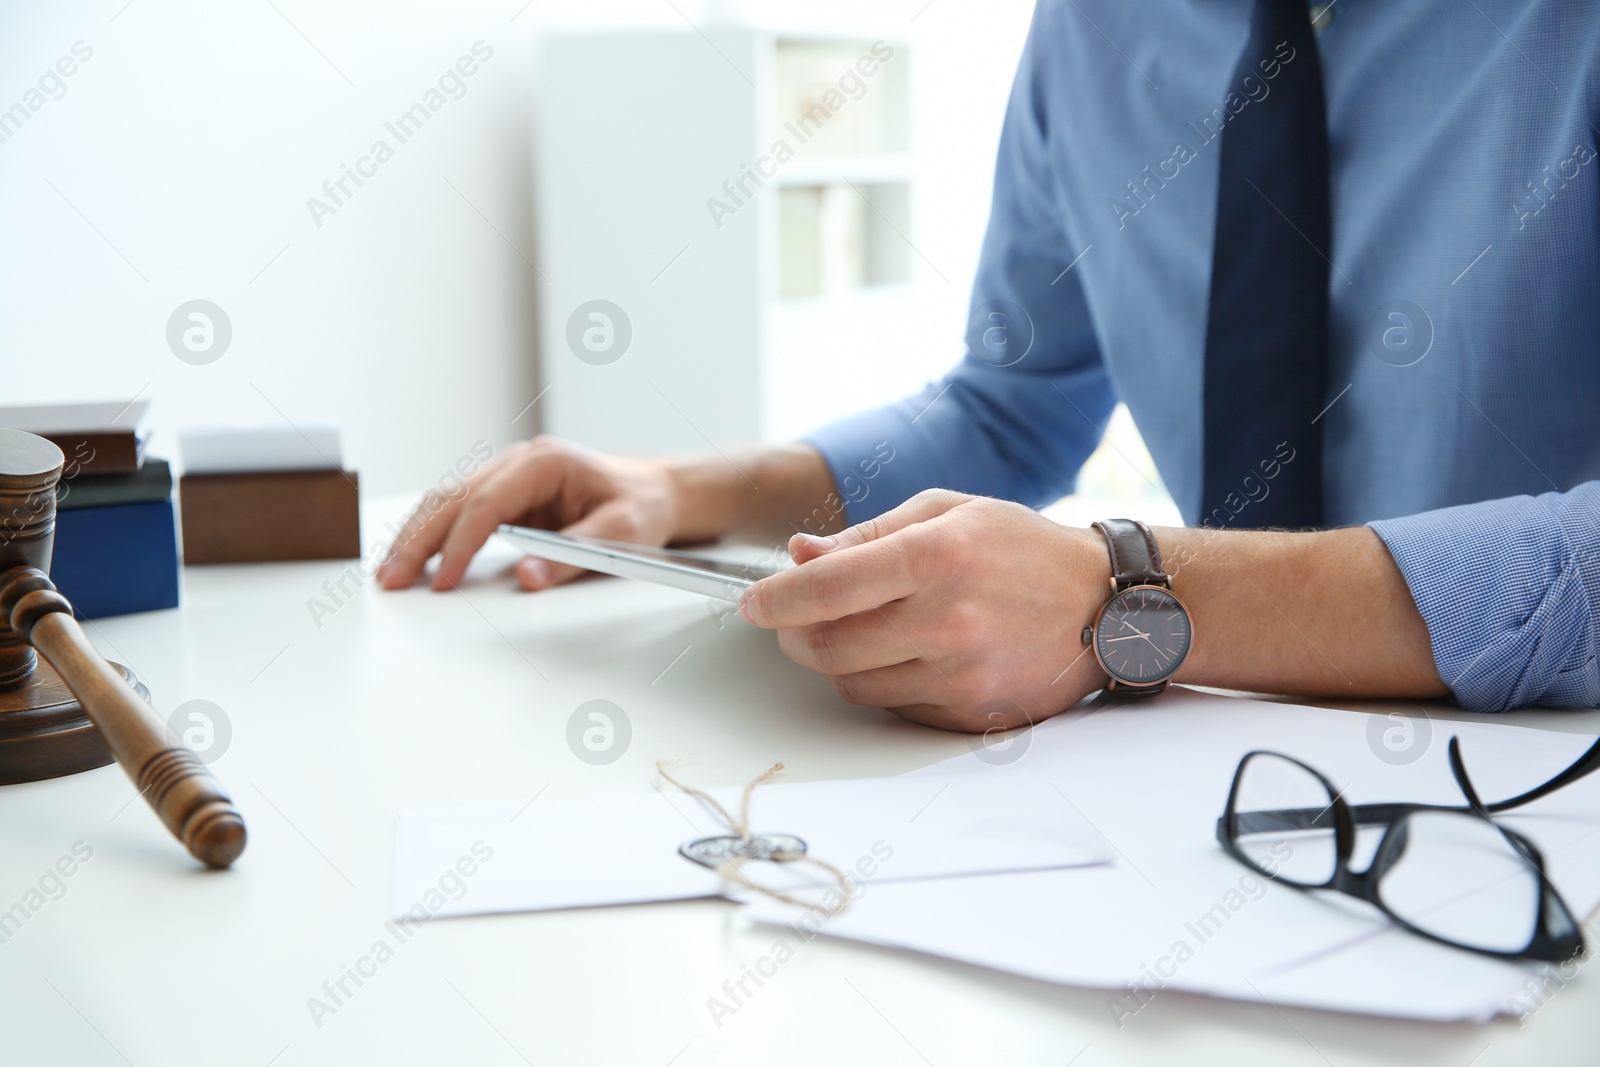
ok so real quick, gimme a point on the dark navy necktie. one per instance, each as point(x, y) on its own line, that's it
point(1267, 331)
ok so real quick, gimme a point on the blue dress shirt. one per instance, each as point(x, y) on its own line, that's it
point(1465, 291)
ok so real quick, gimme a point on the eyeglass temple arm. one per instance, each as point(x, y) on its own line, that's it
point(1255, 822)
point(1380, 814)
point(1584, 766)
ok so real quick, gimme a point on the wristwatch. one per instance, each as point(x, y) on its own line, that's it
point(1142, 634)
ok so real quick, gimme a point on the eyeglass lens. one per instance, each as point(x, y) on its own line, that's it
point(1284, 823)
point(1456, 876)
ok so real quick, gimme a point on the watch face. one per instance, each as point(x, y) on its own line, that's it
point(1142, 635)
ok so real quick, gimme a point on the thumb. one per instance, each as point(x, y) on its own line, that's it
point(928, 504)
point(611, 521)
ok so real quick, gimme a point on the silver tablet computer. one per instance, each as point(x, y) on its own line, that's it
point(722, 579)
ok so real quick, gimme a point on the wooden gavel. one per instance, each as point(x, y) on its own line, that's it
point(46, 732)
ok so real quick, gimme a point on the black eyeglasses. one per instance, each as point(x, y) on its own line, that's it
point(1451, 874)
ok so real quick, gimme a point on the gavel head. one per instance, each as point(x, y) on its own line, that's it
point(30, 467)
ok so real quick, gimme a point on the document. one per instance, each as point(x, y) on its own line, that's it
point(1173, 911)
point(625, 849)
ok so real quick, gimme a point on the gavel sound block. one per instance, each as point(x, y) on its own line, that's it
point(75, 711)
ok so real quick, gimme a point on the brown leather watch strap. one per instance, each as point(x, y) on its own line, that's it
point(1135, 559)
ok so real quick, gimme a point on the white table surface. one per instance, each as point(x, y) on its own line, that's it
point(418, 700)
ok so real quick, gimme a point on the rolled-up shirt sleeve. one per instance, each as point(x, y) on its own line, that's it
point(1510, 591)
point(1019, 415)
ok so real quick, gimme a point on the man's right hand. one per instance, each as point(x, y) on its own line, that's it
point(547, 483)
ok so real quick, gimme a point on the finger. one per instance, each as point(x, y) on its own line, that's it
point(510, 492)
point(928, 504)
point(420, 537)
point(804, 547)
point(843, 582)
point(902, 685)
point(615, 520)
point(534, 574)
point(424, 531)
point(855, 643)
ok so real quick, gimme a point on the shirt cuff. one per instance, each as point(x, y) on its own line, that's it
point(1510, 592)
point(878, 459)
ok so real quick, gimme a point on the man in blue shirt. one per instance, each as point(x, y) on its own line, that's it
point(1449, 361)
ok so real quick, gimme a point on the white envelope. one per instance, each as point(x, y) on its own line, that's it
point(624, 849)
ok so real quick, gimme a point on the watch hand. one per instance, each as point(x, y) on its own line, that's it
point(1129, 637)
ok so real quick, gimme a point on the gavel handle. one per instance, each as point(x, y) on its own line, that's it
point(168, 775)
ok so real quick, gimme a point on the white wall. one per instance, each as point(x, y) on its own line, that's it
point(178, 161)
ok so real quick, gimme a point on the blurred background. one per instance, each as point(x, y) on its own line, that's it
point(439, 224)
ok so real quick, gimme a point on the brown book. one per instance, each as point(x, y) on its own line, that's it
point(97, 438)
point(269, 516)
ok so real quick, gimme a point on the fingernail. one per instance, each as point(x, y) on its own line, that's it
point(821, 544)
point(746, 609)
point(537, 572)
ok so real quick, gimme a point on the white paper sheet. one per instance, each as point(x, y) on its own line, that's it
point(264, 447)
point(1175, 912)
point(624, 849)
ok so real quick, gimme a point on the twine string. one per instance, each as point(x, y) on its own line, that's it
point(731, 868)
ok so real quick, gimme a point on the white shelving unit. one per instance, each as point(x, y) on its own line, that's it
point(747, 199)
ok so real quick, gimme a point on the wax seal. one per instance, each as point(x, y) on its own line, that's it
point(716, 852)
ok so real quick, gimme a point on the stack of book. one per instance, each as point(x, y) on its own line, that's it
point(116, 546)
point(257, 494)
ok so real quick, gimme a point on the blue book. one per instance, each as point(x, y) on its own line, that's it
point(117, 558)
